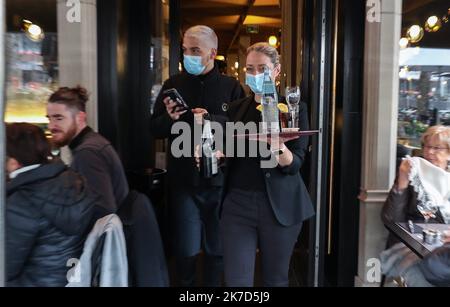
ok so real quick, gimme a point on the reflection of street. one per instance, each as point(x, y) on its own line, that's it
point(32, 75)
point(26, 110)
point(424, 92)
point(410, 132)
point(28, 103)
point(445, 117)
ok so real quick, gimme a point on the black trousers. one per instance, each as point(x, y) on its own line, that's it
point(248, 223)
point(195, 225)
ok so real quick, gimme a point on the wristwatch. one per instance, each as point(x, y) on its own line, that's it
point(279, 151)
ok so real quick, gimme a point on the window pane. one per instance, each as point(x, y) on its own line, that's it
point(31, 52)
point(424, 69)
point(32, 74)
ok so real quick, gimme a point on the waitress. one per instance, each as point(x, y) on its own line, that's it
point(263, 208)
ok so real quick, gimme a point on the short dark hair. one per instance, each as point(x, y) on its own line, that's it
point(27, 144)
point(74, 98)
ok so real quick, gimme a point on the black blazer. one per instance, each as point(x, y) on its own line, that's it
point(285, 188)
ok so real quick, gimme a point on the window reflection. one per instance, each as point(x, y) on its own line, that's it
point(424, 72)
point(32, 74)
point(31, 55)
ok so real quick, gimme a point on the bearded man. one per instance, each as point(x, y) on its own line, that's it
point(93, 156)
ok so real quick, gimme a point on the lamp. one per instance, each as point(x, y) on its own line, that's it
point(404, 43)
point(32, 31)
point(433, 24)
point(273, 41)
point(415, 34)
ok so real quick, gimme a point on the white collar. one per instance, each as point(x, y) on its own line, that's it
point(19, 171)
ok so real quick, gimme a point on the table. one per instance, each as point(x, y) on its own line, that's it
point(414, 240)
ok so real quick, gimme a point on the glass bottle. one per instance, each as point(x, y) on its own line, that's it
point(269, 102)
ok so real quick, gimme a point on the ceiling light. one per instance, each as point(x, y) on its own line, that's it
point(404, 43)
point(433, 24)
point(32, 31)
point(220, 58)
point(415, 34)
point(273, 41)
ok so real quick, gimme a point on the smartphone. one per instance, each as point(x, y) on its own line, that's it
point(173, 94)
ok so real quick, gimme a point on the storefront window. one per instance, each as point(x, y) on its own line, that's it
point(159, 52)
point(31, 54)
point(424, 69)
point(159, 65)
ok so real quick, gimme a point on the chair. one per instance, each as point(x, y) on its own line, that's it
point(103, 262)
point(146, 258)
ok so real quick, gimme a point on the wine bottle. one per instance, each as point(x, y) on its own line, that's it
point(209, 164)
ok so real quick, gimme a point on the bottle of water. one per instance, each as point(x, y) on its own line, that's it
point(209, 164)
point(269, 102)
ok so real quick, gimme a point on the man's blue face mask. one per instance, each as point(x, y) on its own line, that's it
point(255, 82)
point(193, 65)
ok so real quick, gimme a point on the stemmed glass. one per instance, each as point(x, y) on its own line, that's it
point(292, 94)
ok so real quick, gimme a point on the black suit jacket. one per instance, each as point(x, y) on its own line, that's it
point(285, 188)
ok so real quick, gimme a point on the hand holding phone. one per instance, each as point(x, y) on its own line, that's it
point(175, 105)
point(175, 96)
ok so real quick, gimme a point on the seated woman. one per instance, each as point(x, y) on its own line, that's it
point(263, 207)
point(48, 211)
point(419, 181)
point(401, 204)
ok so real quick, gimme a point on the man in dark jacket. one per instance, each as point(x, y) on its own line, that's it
point(93, 156)
point(194, 201)
point(49, 212)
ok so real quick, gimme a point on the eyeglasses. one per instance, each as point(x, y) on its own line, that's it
point(435, 148)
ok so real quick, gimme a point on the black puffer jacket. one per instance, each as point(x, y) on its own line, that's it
point(49, 212)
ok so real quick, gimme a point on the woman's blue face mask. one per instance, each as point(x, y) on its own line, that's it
point(193, 65)
point(255, 82)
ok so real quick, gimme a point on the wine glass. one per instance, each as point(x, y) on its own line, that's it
point(292, 94)
point(427, 209)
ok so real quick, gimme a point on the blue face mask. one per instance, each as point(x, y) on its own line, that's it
point(193, 65)
point(255, 82)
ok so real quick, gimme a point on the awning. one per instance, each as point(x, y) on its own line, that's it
point(424, 57)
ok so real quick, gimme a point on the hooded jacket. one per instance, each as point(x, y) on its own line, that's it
point(49, 212)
